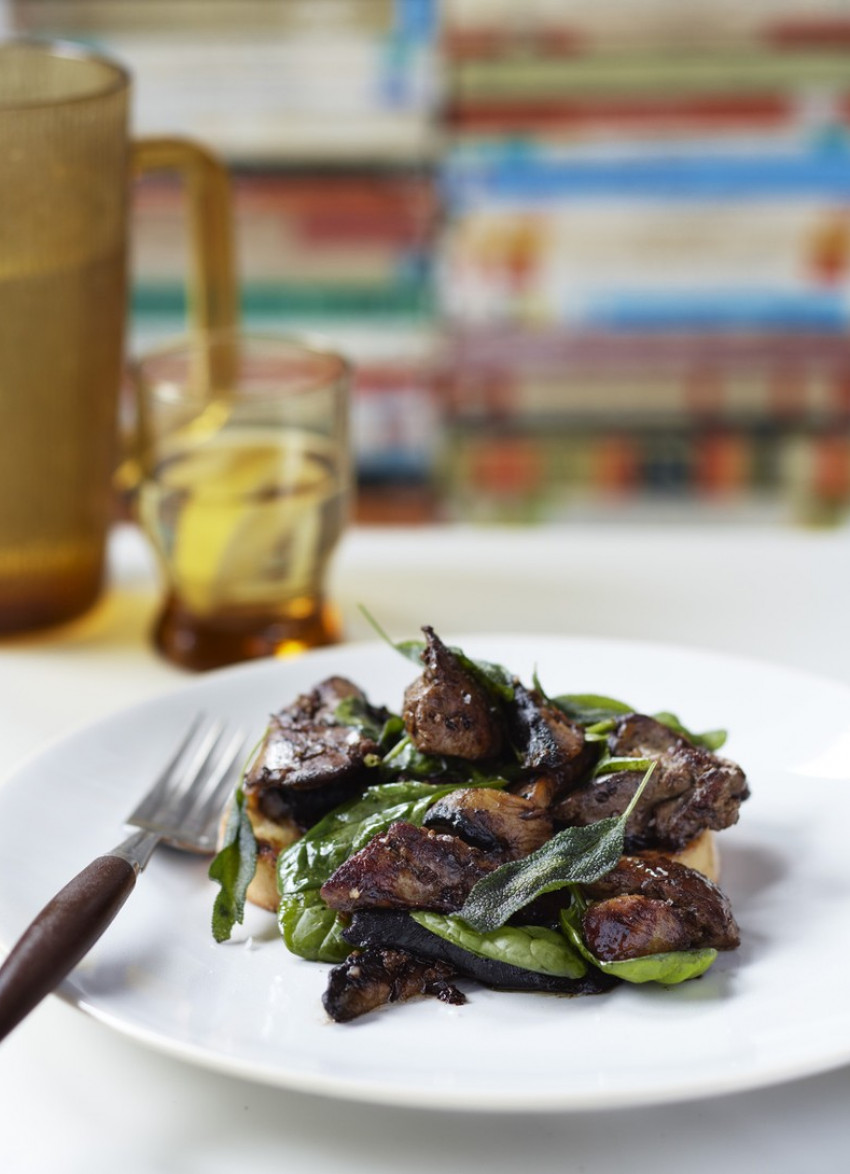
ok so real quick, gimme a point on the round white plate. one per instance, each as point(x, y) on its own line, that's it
point(773, 1010)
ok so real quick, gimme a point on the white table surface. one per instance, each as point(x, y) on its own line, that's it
point(75, 1096)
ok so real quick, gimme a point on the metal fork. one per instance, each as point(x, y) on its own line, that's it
point(182, 809)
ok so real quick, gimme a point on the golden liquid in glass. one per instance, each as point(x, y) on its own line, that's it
point(244, 525)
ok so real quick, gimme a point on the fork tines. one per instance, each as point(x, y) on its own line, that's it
point(186, 800)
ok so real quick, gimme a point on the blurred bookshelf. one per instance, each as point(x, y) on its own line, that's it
point(590, 262)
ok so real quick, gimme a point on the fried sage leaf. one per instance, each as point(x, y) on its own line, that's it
point(590, 708)
point(384, 729)
point(233, 868)
point(709, 740)
point(575, 855)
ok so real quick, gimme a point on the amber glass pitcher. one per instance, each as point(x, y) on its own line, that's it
point(66, 163)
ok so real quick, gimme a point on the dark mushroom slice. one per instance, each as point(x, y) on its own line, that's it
point(310, 761)
point(372, 978)
point(447, 711)
point(650, 904)
point(691, 790)
point(408, 867)
point(380, 927)
point(495, 821)
point(548, 741)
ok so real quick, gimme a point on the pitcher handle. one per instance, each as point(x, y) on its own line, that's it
point(212, 282)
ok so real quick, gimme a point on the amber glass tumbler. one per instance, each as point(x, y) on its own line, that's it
point(66, 164)
point(244, 492)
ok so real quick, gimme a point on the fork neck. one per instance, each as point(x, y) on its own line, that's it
point(137, 849)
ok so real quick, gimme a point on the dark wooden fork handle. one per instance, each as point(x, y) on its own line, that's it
point(64, 931)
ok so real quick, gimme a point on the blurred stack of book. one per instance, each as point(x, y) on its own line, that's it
point(563, 426)
point(268, 81)
point(587, 259)
point(648, 219)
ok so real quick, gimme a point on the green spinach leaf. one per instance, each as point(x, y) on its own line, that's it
point(407, 762)
point(669, 968)
point(309, 862)
point(609, 764)
point(591, 708)
point(710, 740)
point(310, 929)
point(594, 710)
point(530, 947)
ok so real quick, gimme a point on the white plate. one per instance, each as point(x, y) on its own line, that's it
point(775, 1009)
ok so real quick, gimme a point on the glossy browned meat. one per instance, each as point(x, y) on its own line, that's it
point(309, 761)
point(649, 904)
point(306, 745)
point(371, 978)
point(446, 710)
point(549, 742)
point(495, 821)
point(690, 791)
point(408, 867)
point(632, 926)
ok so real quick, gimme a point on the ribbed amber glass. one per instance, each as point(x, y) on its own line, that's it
point(65, 167)
point(63, 217)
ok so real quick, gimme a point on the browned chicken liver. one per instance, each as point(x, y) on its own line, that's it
point(650, 904)
point(309, 761)
point(547, 740)
point(408, 867)
point(447, 711)
point(691, 789)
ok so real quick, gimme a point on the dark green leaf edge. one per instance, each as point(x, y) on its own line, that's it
point(529, 947)
point(669, 968)
point(234, 865)
point(598, 713)
point(233, 868)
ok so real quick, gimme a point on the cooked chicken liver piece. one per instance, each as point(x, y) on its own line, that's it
point(492, 820)
point(447, 711)
point(690, 791)
point(408, 867)
point(306, 746)
point(368, 979)
point(309, 761)
point(549, 741)
point(650, 904)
